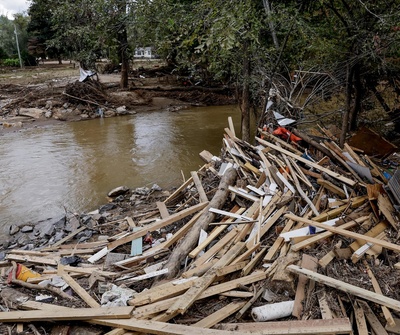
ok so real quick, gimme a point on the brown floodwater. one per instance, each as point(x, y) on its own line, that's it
point(46, 171)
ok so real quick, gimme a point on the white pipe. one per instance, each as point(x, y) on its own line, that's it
point(272, 311)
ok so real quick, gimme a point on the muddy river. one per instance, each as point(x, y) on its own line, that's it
point(46, 171)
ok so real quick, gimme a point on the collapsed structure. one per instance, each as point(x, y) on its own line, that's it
point(268, 238)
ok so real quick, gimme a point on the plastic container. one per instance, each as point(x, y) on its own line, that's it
point(272, 311)
point(23, 273)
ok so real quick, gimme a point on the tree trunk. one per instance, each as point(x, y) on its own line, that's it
point(122, 37)
point(345, 120)
point(245, 103)
point(189, 242)
point(123, 45)
point(358, 94)
point(267, 8)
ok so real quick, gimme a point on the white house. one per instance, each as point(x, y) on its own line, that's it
point(146, 52)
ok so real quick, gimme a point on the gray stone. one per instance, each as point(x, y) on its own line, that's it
point(121, 109)
point(107, 207)
point(118, 191)
point(35, 113)
point(13, 229)
point(142, 190)
point(48, 114)
point(26, 229)
point(66, 105)
point(155, 187)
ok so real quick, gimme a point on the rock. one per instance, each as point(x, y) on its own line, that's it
point(35, 113)
point(27, 229)
point(109, 113)
point(107, 207)
point(155, 187)
point(84, 116)
point(120, 198)
point(142, 190)
point(118, 191)
point(49, 104)
point(48, 114)
point(13, 229)
point(66, 105)
point(121, 109)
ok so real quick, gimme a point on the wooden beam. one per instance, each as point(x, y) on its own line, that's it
point(86, 297)
point(163, 209)
point(321, 236)
point(331, 187)
point(219, 315)
point(348, 288)
point(67, 314)
point(386, 313)
point(373, 321)
point(292, 327)
point(344, 232)
point(199, 186)
point(310, 263)
point(360, 320)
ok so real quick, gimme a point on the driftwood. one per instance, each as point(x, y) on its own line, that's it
point(190, 240)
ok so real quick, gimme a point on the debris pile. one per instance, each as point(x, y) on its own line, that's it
point(271, 238)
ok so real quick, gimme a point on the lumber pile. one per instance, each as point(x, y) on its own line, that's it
point(269, 238)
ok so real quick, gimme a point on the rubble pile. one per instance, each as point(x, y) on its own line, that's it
point(271, 238)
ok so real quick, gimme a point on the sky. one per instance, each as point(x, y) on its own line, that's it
point(10, 7)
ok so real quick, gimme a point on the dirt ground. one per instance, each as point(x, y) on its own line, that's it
point(51, 93)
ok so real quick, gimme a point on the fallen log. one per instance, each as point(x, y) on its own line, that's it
point(190, 240)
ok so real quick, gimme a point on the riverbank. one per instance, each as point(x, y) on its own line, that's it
point(49, 93)
point(251, 230)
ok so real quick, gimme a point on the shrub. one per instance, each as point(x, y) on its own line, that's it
point(12, 62)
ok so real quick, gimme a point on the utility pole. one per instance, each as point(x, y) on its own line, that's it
point(16, 39)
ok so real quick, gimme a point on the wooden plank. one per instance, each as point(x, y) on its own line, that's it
point(249, 303)
point(219, 315)
point(355, 202)
point(309, 163)
point(86, 297)
point(360, 320)
point(386, 313)
point(292, 327)
point(310, 263)
point(163, 209)
point(160, 292)
point(348, 288)
point(317, 237)
point(386, 207)
point(331, 187)
point(373, 321)
point(394, 329)
point(249, 267)
point(67, 314)
point(84, 271)
point(344, 232)
point(231, 126)
point(199, 186)
point(326, 312)
point(68, 237)
point(33, 259)
point(278, 242)
point(325, 260)
point(231, 268)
